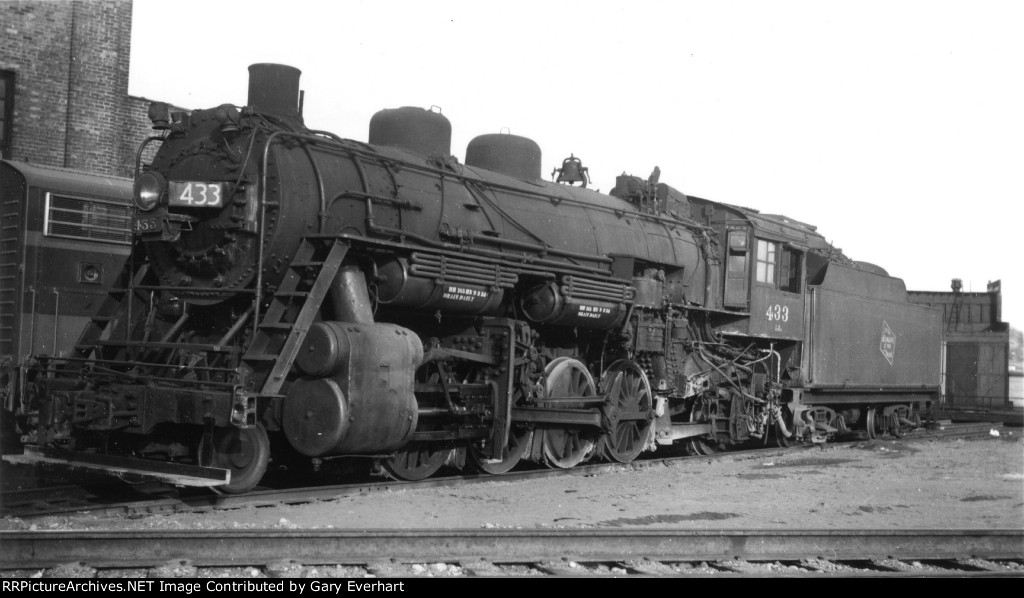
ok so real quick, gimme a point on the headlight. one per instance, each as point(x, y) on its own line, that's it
point(149, 188)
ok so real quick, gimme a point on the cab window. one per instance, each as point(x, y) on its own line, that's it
point(766, 259)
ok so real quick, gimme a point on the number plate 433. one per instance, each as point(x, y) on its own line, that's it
point(777, 313)
point(192, 194)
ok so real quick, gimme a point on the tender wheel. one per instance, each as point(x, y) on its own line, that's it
point(630, 391)
point(563, 447)
point(519, 440)
point(417, 461)
point(871, 423)
point(243, 451)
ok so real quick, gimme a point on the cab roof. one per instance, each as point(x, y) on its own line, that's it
point(773, 226)
point(73, 182)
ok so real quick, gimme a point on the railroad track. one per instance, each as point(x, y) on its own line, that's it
point(154, 498)
point(410, 553)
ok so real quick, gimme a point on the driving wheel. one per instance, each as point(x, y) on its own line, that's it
point(566, 447)
point(629, 390)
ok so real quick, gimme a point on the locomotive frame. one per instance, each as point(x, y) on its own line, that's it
point(383, 301)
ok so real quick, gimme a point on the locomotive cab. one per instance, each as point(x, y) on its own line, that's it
point(765, 283)
point(765, 258)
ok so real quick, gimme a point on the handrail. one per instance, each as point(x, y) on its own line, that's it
point(312, 136)
point(142, 147)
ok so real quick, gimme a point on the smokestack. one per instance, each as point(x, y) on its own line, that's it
point(274, 89)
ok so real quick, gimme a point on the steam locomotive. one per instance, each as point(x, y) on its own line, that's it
point(382, 300)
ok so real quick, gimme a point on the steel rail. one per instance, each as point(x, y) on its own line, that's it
point(21, 550)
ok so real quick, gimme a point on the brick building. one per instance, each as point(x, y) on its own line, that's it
point(64, 85)
point(976, 346)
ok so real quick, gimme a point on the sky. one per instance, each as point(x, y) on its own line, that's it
point(896, 127)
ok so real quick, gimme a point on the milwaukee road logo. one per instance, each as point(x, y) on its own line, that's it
point(888, 344)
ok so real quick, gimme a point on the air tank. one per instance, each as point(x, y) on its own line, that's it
point(576, 302)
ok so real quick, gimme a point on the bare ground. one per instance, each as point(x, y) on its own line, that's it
point(939, 483)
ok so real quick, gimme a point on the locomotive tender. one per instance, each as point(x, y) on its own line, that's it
point(383, 300)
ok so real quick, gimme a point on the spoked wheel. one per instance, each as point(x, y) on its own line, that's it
point(416, 461)
point(565, 447)
point(701, 445)
point(245, 452)
point(630, 392)
point(519, 439)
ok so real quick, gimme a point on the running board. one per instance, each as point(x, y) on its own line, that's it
point(118, 466)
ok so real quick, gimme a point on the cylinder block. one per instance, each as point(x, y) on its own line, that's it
point(358, 401)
